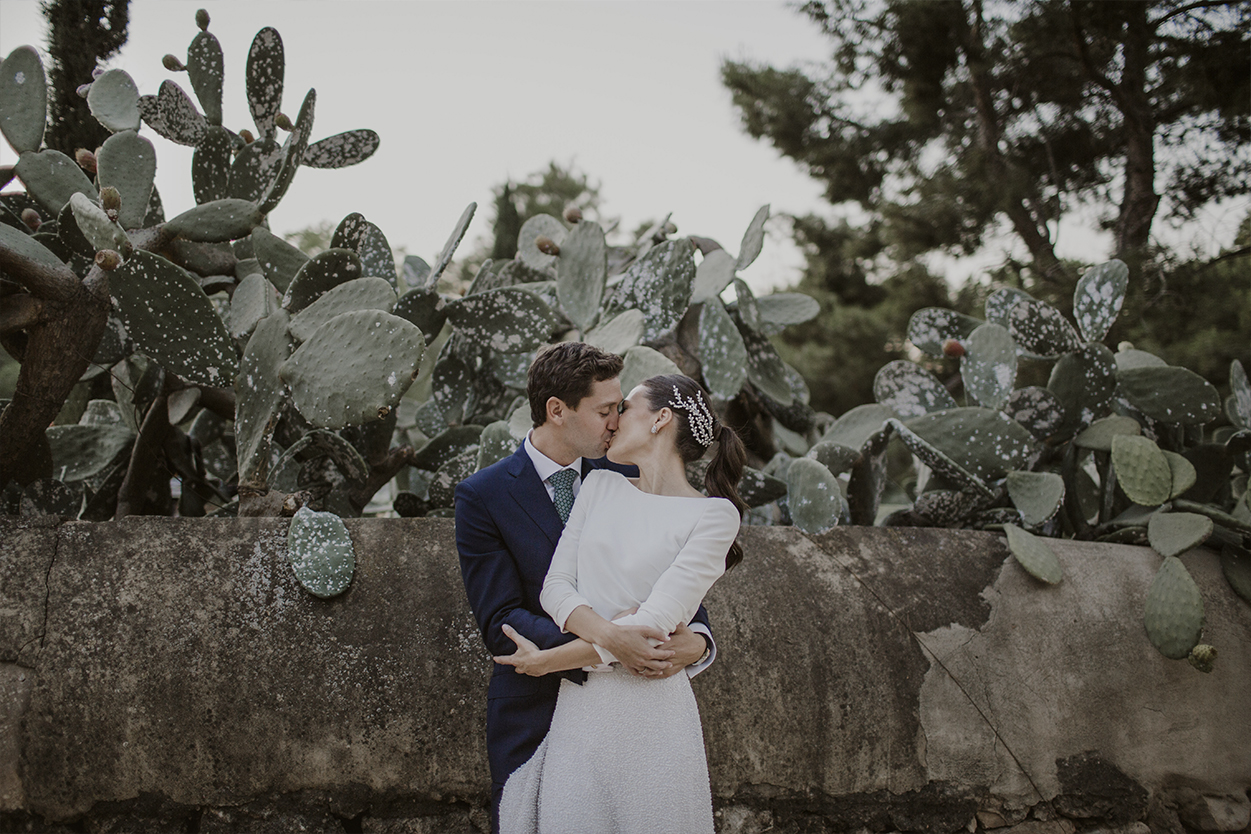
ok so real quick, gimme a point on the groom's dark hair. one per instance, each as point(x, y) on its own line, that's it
point(567, 371)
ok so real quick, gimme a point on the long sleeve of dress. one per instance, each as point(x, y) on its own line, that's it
point(678, 591)
point(560, 589)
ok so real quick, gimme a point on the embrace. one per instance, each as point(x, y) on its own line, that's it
point(593, 607)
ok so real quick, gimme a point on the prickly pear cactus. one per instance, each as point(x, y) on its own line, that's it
point(813, 496)
point(1172, 534)
point(1141, 470)
point(321, 553)
point(1173, 615)
point(1034, 554)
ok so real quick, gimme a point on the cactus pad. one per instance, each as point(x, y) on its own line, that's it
point(581, 271)
point(1037, 495)
point(354, 368)
point(1184, 473)
point(1171, 395)
point(127, 162)
point(320, 274)
point(1127, 358)
point(377, 259)
point(446, 446)
point(619, 334)
point(909, 390)
point(757, 488)
point(206, 69)
point(266, 70)
point(780, 310)
point(321, 553)
point(292, 153)
point(174, 116)
point(255, 167)
point(1084, 382)
point(1141, 470)
point(1240, 409)
point(642, 363)
point(658, 284)
point(81, 451)
point(342, 149)
point(1033, 554)
point(813, 496)
point(541, 225)
point(1037, 409)
point(114, 101)
point(714, 274)
point(210, 166)
point(509, 320)
point(279, 260)
point(1098, 435)
point(1041, 330)
point(253, 299)
point(989, 365)
point(854, 428)
point(1098, 298)
point(1172, 534)
point(451, 385)
point(442, 489)
point(753, 240)
point(969, 446)
point(1236, 565)
point(929, 327)
point(52, 178)
point(834, 456)
point(323, 443)
point(172, 320)
point(260, 394)
point(424, 308)
point(1173, 613)
point(217, 222)
point(765, 368)
point(453, 240)
point(721, 351)
point(361, 294)
point(495, 444)
point(416, 273)
point(1000, 303)
point(23, 99)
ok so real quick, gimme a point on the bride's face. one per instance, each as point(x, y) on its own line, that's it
point(634, 427)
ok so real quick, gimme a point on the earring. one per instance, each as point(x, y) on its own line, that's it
point(655, 428)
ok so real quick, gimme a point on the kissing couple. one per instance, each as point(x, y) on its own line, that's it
point(586, 575)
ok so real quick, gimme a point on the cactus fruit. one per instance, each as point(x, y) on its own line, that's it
point(989, 366)
point(1142, 471)
point(1202, 657)
point(1170, 395)
point(321, 553)
point(528, 251)
point(573, 215)
point(753, 240)
point(909, 390)
point(173, 63)
point(23, 99)
point(546, 245)
point(108, 260)
point(1037, 495)
point(953, 349)
point(1172, 534)
point(172, 320)
point(1173, 614)
point(581, 273)
point(930, 328)
point(1098, 298)
point(1033, 554)
point(202, 19)
point(354, 368)
point(722, 351)
point(283, 122)
point(813, 496)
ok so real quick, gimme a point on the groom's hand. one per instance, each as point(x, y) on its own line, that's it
point(687, 647)
point(631, 645)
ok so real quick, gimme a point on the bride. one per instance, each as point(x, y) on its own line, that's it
point(640, 551)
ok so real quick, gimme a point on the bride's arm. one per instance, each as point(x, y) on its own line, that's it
point(529, 659)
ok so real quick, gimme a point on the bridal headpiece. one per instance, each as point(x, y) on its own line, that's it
point(698, 417)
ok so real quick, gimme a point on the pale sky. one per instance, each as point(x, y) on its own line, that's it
point(465, 94)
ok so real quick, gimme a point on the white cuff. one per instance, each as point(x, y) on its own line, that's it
point(695, 668)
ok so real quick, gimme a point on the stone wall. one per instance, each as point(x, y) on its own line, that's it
point(171, 675)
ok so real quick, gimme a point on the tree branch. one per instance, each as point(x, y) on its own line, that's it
point(20, 312)
point(1186, 9)
point(42, 279)
point(382, 472)
point(142, 468)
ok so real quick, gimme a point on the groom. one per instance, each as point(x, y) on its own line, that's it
point(509, 517)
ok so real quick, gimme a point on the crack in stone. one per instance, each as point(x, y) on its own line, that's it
point(47, 599)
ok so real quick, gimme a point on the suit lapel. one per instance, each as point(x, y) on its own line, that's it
point(530, 494)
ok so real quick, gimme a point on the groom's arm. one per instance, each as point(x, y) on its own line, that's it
point(493, 582)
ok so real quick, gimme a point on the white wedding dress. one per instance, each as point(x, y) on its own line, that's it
point(625, 754)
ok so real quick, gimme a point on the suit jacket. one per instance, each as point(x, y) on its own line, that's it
point(506, 531)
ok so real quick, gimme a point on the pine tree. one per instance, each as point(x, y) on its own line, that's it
point(82, 34)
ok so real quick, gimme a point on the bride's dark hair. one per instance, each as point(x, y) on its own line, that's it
point(726, 468)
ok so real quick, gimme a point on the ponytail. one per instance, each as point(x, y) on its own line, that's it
point(721, 479)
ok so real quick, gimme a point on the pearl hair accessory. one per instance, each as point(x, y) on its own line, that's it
point(697, 415)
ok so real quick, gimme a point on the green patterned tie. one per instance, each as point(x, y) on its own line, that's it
point(563, 482)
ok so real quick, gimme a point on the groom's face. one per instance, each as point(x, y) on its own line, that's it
point(589, 427)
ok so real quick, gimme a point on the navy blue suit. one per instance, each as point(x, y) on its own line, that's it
point(506, 531)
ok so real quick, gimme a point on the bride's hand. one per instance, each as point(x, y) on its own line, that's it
point(528, 659)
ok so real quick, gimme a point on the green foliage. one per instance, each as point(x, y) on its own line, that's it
point(321, 553)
